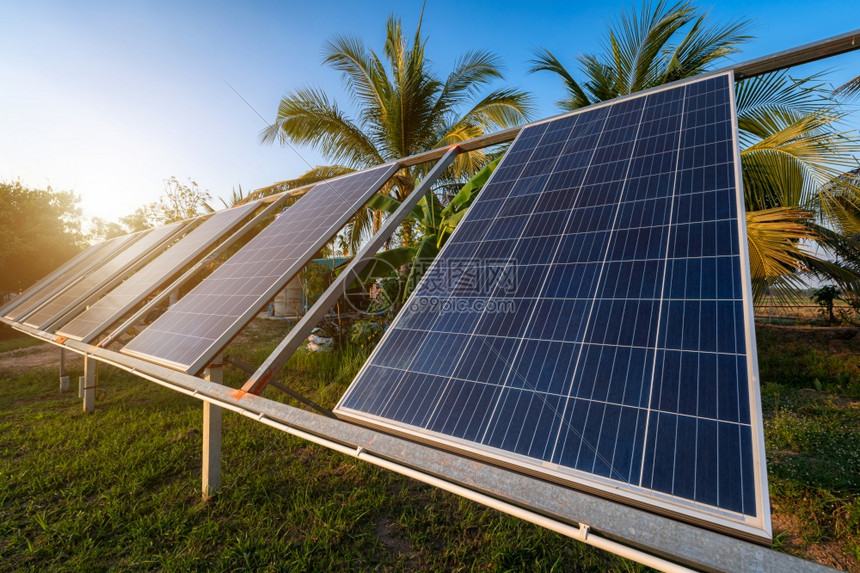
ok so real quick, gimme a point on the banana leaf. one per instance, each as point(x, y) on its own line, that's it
point(464, 197)
point(383, 265)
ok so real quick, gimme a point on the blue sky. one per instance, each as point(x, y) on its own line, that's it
point(107, 99)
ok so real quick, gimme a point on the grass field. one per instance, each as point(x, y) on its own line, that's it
point(120, 489)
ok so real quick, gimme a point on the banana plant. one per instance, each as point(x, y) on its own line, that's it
point(435, 224)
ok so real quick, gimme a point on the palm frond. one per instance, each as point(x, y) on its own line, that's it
point(308, 117)
point(776, 248)
point(361, 70)
point(850, 88)
point(546, 61)
point(314, 175)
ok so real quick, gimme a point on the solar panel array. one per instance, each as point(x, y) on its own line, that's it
point(107, 271)
point(49, 279)
point(93, 321)
point(54, 283)
point(587, 321)
point(203, 321)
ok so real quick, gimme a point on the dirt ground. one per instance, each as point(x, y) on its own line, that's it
point(42, 356)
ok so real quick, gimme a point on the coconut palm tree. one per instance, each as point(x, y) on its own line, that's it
point(850, 88)
point(793, 151)
point(657, 45)
point(402, 108)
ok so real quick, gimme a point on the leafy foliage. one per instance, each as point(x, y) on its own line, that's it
point(402, 107)
point(794, 152)
point(658, 44)
point(434, 222)
point(178, 202)
point(39, 230)
point(825, 297)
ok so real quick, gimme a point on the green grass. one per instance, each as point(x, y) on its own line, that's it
point(811, 402)
point(803, 357)
point(120, 489)
point(17, 343)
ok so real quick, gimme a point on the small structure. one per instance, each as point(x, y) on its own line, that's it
point(293, 301)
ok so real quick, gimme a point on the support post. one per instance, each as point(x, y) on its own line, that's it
point(296, 337)
point(88, 388)
point(212, 421)
point(64, 379)
point(174, 296)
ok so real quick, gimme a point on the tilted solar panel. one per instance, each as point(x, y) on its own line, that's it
point(93, 321)
point(196, 328)
point(108, 270)
point(590, 320)
point(54, 275)
point(92, 257)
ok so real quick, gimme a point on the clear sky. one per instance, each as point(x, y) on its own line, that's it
point(108, 99)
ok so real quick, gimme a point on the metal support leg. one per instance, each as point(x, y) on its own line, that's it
point(64, 380)
point(212, 419)
point(89, 384)
point(174, 296)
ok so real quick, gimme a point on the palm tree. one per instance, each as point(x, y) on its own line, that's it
point(401, 109)
point(644, 50)
point(850, 88)
point(793, 153)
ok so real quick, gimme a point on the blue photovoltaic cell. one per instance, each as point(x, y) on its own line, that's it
point(65, 271)
point(79, 266)
point(93, 321)
point(197, 327)
point(587, 319)
point(106, 272)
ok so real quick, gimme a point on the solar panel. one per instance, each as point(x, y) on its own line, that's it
point(53, 275)
point(196, 328)
point(590, 320)
point(93, 321)
point(54, 284)
point(106, 272)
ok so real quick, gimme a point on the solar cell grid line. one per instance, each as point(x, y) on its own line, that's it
point(590, 318)
point(51, 277)
point(83, 266)
point(93, 321)
point(107, 271)
point(199, 325)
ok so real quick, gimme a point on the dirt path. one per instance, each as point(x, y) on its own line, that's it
point(38, 357)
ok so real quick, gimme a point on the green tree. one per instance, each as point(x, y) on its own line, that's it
point(402, 107)
point(793, 150)
point(39, 230)
point(826, 297)
point(178, 202)
point(657, 45)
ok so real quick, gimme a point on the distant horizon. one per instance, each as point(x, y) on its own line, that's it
point(108, 101)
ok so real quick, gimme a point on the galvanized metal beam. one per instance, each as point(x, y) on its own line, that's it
point(88, 390)
point(101, 257)
point(281, 387)
point(242, 321)
point(168, 291)
point(804, 54)
point(39, 285)
point(212, 429)
point(296, 337)
point(539, 501)
point(64, 378)
point(81, 303)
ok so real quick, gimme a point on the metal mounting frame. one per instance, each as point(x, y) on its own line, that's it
point(649, 538)
point(653, 537)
